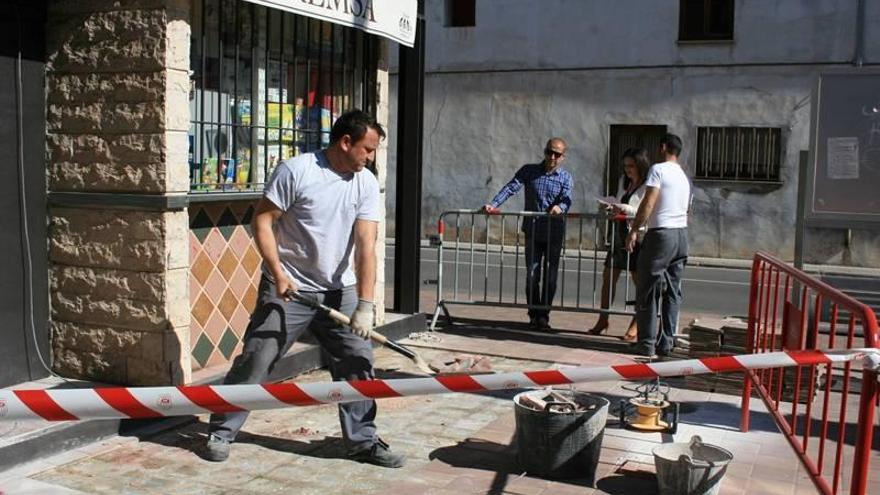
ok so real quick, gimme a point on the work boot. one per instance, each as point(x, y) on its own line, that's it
point(543, 323)
point(641, 350)
point(217, 449)
point(379, 454)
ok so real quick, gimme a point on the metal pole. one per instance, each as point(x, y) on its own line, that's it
point(516, 261)
point(580, 248)
point(859, 55)
point(411, 86)
point(486, 262)
point(501, 262)
point(800, 223)
point(457, 246)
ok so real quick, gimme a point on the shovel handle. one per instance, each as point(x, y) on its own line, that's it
point(340, 318)
point(315, 304)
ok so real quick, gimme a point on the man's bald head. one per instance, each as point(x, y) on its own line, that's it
point(554, 153)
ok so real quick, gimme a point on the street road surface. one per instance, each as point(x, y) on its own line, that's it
point(722, 291)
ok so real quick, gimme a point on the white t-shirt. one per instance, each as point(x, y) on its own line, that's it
point(315, 232)
point(670, 210)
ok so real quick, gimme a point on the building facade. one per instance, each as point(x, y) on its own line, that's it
point(733, 78)
point(155, 125)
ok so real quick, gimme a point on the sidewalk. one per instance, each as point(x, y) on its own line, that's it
point(31, 440)
point(456, 443)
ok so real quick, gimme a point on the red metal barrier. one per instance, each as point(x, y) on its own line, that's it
point(789, 310)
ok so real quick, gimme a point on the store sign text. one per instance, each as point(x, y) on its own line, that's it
point(358, 8)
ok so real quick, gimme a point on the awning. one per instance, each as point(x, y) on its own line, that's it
point(393, 19)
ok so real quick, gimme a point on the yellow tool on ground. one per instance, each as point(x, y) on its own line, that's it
point(651, 409)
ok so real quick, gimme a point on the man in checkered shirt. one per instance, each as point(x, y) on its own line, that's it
point(548, 189)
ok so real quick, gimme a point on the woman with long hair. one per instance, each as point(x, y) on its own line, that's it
point(632, 189)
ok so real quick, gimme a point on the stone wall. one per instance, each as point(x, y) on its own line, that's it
point(117, 119)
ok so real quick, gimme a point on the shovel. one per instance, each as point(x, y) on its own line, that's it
point(374, 336)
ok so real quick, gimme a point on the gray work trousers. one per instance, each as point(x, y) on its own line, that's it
point(274, 327)
point(662, 257)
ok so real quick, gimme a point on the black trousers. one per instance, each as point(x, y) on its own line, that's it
point(662, 258)
point(542, 269)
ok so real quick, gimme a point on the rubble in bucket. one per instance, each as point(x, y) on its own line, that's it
point(559, 436)
point(552, 401)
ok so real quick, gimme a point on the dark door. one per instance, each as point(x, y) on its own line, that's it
point(624, 137)
point(23, 276)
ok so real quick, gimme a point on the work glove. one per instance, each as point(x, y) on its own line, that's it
point(362, 319)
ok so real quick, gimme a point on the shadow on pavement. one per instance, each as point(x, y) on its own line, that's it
point(628, 482)
point(489, 456)
point(193, 438)
point(517, 331)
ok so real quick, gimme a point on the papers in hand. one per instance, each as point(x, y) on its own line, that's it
point(606, 201)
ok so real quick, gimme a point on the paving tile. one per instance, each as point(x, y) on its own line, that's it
point(451, 444)
point(771, 487)
point(410, 488)
point(526, 485)
point(729, 488)
point(28, 486)
point(773, 473)
point(563, 488)
point(739, 469)
point(476, 484)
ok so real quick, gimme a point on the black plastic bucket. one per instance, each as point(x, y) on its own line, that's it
point(560, 445)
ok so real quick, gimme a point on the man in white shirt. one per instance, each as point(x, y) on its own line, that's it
point(664, 250)
point(316, 210)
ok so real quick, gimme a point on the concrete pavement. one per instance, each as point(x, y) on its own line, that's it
point(457, 443)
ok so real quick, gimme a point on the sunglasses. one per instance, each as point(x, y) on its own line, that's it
point(553, 153)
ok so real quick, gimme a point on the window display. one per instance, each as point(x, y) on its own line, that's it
point(266, 86)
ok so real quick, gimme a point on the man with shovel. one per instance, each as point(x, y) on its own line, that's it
point(316, 209)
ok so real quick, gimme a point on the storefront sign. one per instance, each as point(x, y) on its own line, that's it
point(393, 19)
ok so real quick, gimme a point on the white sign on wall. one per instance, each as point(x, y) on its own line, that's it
point(393, 19)
point(843, 157)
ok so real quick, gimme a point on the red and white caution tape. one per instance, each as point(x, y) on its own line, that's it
point(156, 402)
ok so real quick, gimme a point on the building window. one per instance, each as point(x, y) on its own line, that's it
point(745, 154)
point(705, 20)
point(267, 85)
point(461, 13)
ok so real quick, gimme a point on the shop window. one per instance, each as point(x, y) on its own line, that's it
point(461, 13)
point(267, 85)
point(705, 20)
point(745, 154)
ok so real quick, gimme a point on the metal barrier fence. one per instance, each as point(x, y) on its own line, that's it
point(474, 265)
point(789, 310)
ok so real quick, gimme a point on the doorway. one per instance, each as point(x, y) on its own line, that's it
point(624, 137)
